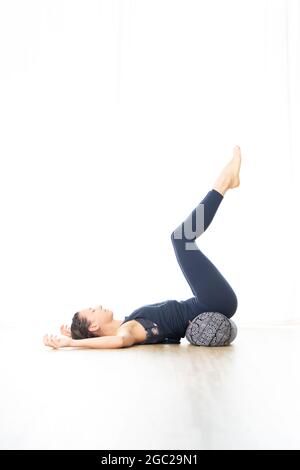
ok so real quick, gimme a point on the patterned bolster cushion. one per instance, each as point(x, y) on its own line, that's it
point(211, 329)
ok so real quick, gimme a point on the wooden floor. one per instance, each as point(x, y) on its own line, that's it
point(246, 396)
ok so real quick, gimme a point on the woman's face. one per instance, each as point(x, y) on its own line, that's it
point(97, 315)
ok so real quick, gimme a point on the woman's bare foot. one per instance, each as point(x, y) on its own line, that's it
point(229, 178)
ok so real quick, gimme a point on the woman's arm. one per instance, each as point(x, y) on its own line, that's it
point(121, 340)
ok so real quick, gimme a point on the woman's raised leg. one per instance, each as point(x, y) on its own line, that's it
point(207, 283)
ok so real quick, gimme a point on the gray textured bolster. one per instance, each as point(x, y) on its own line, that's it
point(211, 329)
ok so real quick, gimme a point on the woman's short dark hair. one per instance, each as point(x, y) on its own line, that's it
point(80, 328)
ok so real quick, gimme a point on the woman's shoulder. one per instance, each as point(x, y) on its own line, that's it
point(133, 328)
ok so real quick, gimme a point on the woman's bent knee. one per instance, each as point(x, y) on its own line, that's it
point(176, 235)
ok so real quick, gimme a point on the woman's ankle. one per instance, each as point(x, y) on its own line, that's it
point(221, 187)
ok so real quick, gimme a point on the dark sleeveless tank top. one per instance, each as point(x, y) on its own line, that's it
point(165, 322)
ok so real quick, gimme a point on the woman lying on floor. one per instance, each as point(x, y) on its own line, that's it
point(165, 322)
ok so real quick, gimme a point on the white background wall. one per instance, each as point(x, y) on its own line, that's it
point(115, 120)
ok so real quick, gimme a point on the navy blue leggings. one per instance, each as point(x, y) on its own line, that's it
point(211, 290)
